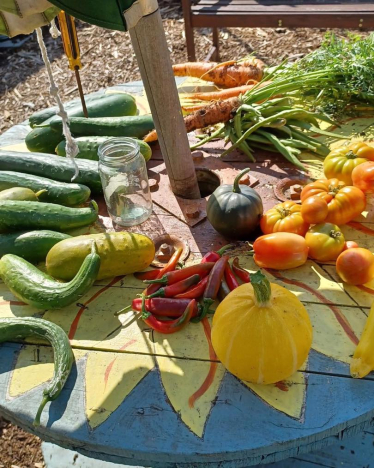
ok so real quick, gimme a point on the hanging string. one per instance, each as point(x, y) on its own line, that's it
point(71, 146)
point(53, 30)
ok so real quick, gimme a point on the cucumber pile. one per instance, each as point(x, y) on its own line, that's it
point(113, 114)
point(39, 203)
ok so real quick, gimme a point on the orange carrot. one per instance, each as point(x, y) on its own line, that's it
point(229, 74)
point(216, 112)
point(225, 93)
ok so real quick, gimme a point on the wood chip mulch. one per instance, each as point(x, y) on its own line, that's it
point(108, 59)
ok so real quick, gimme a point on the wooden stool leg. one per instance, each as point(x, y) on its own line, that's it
point(216, 44)
point(188, 29)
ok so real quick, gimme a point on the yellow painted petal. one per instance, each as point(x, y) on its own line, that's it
point(287, 396)
point(11, 306)
point(181, 379)
point(329, 337)
point(110, 377)
point(34, 366)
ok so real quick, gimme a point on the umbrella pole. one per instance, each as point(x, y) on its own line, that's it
point(149, 42)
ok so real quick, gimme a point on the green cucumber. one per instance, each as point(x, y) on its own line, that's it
point(131, 126)
point(113, 104)
point(61, 193)
point(42, 115)
point(43, 139)
point(88, 147)
point(32, 246)
point(40, 290)
point(53, 166)
point(19, 193)
point(21, 215)
point(23, 327)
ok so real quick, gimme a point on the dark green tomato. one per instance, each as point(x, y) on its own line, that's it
point(235, 211)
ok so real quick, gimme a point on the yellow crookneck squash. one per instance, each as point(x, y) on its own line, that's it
point(261, 332)
point(363, 358)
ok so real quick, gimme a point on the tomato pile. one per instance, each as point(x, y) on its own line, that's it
point(294, 232)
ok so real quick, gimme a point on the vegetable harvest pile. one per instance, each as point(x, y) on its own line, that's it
point(261, 332)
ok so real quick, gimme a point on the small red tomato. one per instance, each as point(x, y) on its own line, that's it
point(350, 245)
point(314, 210)
point(280, 251)
point(363, 177)
point(355, 266)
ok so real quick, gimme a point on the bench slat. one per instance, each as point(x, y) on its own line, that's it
point(229, 8)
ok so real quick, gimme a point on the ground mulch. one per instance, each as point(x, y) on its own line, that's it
point(108, 59)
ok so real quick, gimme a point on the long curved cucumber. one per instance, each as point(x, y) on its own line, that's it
point(21, 215)
point(55, 192)
point(131, 126)
point(53, 167)
point(33, 246)
point(89, 145)
point(18, 327)
point(42, 291)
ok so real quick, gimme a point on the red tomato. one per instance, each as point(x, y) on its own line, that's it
point(350, 245)
point(363, 177)
point(355, 266)
point(325, 242)
point(314, 210)
point(280, 251)
point(284, 217)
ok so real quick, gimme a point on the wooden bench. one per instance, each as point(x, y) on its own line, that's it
point(356, 14)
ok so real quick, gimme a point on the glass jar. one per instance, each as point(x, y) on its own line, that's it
point(125, 182)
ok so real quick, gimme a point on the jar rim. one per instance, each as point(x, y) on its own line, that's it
point(113, 144)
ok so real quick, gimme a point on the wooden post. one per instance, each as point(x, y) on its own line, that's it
point(149, 42)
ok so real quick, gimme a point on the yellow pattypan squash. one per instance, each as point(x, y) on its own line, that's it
point(261, 332)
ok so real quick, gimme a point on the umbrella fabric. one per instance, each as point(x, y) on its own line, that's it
point(23, 16)
point(116, 14)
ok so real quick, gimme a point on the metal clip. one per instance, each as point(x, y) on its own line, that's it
point(361, 23)
point(280, 23)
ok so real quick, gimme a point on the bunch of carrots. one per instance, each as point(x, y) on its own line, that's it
point(262, 111)
point(170, 301)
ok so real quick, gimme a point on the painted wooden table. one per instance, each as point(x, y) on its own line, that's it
point(137, 397)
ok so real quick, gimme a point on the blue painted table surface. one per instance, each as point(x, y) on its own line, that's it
point(142, 420)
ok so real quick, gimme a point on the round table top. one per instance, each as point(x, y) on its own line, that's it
point(137, 397)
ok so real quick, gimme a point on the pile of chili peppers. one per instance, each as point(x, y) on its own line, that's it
point(171, 298)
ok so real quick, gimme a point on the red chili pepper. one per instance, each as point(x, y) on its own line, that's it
point(176, 288)
point(195, 291)
point(224, 290)
point(214, 283)
point(240, 272)
point(169, 267)
point(201, 269)
point(147, 275)
point(214, 256)
point(231, 281)
point(168, 326)
point(164, 307)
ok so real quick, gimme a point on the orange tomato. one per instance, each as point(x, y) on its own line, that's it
point(350, 245)
point(344, 202)
point(325, 242)
point(355, 266)
point(284, 217)
point(280, 251)
point(341, 161)
point(314, 210)
point(363, 177)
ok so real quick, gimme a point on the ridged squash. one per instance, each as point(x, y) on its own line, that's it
point(261, 332)
point(121, 253)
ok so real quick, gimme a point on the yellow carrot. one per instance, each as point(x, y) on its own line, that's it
point(363, 358)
